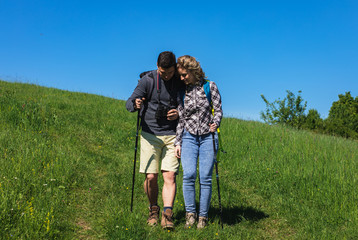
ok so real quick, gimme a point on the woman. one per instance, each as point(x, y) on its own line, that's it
point(194, 136)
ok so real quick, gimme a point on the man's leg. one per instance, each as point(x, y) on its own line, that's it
point(169, 188)
point(151, 188)
point(168, 194)
point(149, 159)
point(170, 166)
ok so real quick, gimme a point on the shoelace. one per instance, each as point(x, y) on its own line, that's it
point(153, 214)
point(168, 217)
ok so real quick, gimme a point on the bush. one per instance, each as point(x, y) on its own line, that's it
point(289, 111)
point(313, 121)
point(343, 117)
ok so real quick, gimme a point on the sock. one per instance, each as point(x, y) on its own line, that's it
point(156, 204)
point(165, 208)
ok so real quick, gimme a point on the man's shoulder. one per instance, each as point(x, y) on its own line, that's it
point(148, 76)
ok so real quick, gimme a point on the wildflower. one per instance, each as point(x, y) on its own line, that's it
point(30, 207)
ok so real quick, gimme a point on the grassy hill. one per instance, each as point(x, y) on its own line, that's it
point(66, 162)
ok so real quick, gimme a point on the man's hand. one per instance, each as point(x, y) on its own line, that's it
point(213, 127)
point(138, 103)
point(178, 151)
point(172, 114)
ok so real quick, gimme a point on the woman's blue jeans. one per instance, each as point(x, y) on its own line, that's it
point(194, 147)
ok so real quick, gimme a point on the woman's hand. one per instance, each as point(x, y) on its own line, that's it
point(213, 127)
point(178, 151)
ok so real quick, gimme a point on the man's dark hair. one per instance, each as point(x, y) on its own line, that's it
point(166, 59)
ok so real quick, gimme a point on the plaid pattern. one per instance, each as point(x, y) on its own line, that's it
point(196, 115)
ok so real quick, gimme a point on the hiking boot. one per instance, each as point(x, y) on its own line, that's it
point(153, 215)
point(190, 219)
point(167, 219)
point(203, 221)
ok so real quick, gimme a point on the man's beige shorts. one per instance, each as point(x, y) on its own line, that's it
point(155, 148)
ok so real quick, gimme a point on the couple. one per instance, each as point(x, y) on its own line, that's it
point(177, 122)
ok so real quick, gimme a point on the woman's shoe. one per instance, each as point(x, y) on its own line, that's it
point(203, 221)
point(190, 219)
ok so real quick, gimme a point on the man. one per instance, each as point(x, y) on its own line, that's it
point(156, 97)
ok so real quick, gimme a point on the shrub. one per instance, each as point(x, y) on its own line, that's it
point(289, 111)
point(343, 116)
point(313, 121)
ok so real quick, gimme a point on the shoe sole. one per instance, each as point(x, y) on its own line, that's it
point(152, 224)
point(168, 227)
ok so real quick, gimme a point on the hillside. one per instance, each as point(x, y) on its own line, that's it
point(66, 162)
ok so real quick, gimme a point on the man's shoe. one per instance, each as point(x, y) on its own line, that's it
point(190, 219)
point(203, 221)
point(167, 219)
point(153, 215)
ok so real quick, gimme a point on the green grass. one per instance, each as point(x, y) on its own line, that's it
point(66, 162)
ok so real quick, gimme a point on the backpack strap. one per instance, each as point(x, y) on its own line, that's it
point(159, 86)
point(206, 87)
point(182, 95)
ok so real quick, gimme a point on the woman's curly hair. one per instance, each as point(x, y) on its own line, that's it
point(192, 65)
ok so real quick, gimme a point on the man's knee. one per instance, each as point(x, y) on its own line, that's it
point(169, 177)
point(152, 177)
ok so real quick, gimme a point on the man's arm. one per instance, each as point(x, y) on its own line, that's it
point(136, 99)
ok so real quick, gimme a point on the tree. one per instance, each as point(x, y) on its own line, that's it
point(343, 116)
point(290, 110)
point(313, 121)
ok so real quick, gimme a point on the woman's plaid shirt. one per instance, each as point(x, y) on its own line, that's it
point(196, 114)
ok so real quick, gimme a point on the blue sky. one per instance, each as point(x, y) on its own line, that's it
point(248, 48)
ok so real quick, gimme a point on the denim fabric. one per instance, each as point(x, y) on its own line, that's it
point(194, 147)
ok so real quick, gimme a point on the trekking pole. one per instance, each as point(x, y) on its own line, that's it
point(217, 180)
point(135, 158)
